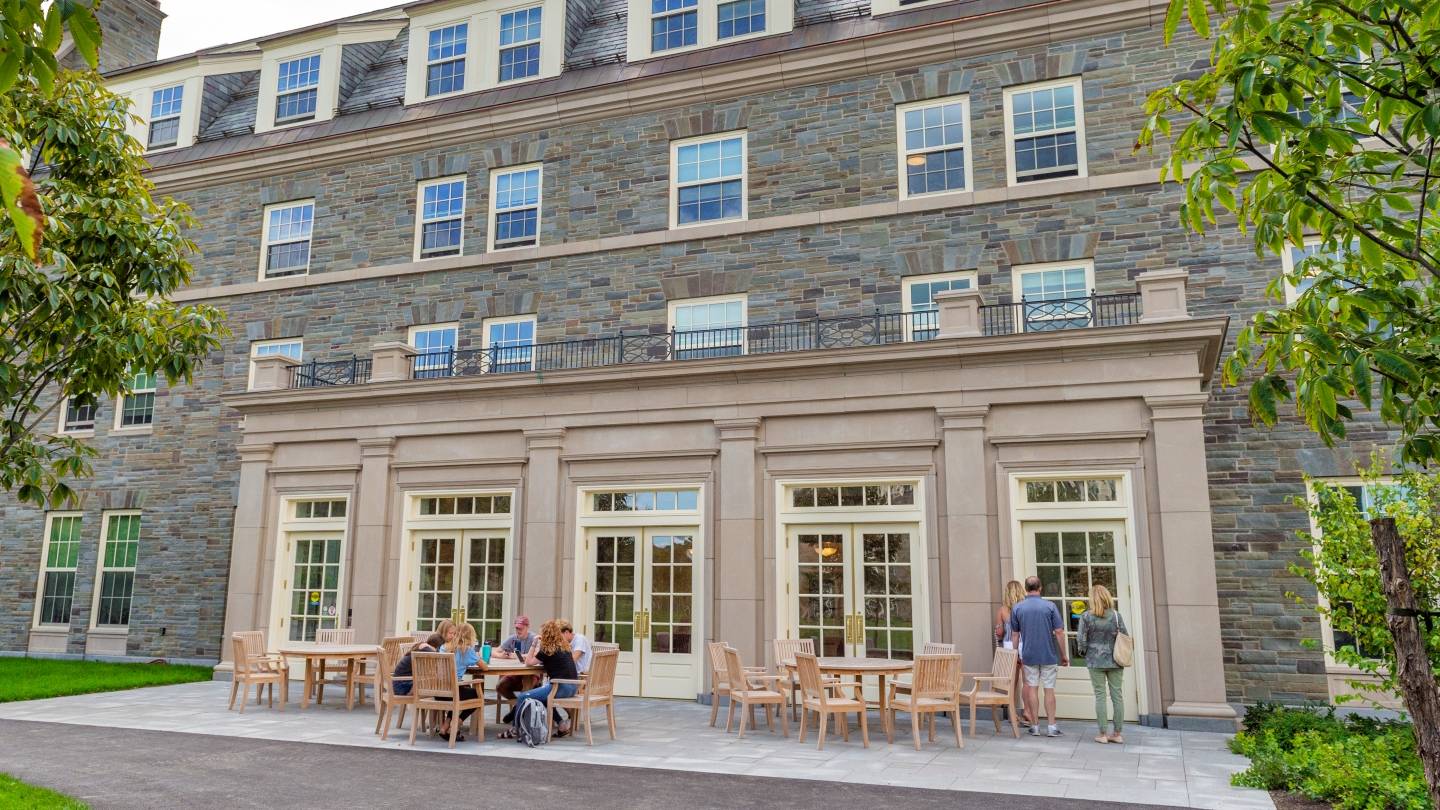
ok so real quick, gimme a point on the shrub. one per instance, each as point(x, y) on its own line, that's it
point(1355, 764)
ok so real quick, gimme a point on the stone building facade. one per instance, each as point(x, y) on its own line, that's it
point(831, 230)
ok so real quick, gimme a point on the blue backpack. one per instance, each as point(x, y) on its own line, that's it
point(530, 723)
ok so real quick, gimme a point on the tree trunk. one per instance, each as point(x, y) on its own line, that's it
point(1412, 659)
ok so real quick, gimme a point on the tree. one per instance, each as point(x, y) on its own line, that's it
point(89, 311)
point(1321, 117)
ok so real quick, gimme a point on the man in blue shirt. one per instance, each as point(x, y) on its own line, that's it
point(1039, 634)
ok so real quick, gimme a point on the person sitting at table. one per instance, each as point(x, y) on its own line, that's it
point(516, 646)
point(404, 668)
point(462, 645)
point(553, 653)
point(579, 647)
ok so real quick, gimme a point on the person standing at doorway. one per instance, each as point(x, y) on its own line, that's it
point(1038, 632)
point(516, 646)
point(1096, 641)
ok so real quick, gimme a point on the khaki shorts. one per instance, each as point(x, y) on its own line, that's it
point(1043, 675)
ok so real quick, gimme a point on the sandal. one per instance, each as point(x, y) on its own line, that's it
point(508, 734)
point(562, 731)
point(1102, 739)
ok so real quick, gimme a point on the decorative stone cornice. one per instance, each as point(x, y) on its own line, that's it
point(377, 447)
point(258, 453)
point(744, 429)
point(967, 417)
point(552, 438)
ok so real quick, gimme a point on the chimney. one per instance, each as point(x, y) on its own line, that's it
point(130, 35)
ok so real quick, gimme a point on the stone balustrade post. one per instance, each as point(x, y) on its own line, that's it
point(272, 372)
point(390, 361)
point(1162, 295)
point(959, 313)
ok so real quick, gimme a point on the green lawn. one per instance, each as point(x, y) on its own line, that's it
point(34, 678)
point(16, 795)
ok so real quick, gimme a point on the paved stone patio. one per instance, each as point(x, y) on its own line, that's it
point(1155, 766)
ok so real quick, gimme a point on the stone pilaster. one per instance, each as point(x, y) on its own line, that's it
point(371, 546)
point(244, 606)
point(539, 548)
point(739, 558)
point(968, 566)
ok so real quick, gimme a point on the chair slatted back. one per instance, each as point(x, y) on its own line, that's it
point(434, 675)
point(734, 670)
point(937, 648)
point(786, 648)
point(243, 661)
point(420, 635)
point(395, 647)
point(1003, 668)
point(336, 636)
point(809, 671)
point(599, 646)
point(254, 642)
point(936, 676)
point(719, 671)
point(601, 680)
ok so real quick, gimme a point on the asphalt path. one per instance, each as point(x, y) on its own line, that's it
point(125, 768)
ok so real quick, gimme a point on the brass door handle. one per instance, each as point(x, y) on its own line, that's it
point(642, 624)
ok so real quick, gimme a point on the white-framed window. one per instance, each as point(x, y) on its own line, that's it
point(59, 560)
point(445, 505)
point(708, 327)
point(293, 348)
point(708, 179)
point(520, 44)
point(435, 344)
point(1070, 490)
point(658, 28)
point(318, 509)
point(77, 415)
point(285, 243)
point(115, 578)
point(739, 18)
point(922, 313)
point(509, 344)
point(644, 500)
point(1045, 131)
point(440, 226)
point(135, 409)
point(674, 24)
point(515, 206)
point(934, 146)
point(296, 89)
point(853, 496)
point(445, 51)
point(1052, 296)
point(165, 106)
point(1293, 257)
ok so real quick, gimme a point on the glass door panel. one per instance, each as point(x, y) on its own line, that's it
point(435, 589)
point(821, 589)
point(462, 569)
point(667, 634)
point(314, 586)
point(485, 587)
point(854, 589)
point(884, 582)
point(614, 581)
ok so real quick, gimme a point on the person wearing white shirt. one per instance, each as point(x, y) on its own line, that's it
point(580, 647)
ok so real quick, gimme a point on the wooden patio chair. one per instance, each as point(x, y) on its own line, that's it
point(601, 646)
point(902, 682)
point(934, 689)
point(420, 635)
point(785, 649)
point(592, 692)
point(816, 697)
point(437, 689)
point(387, 700)
point(995, 689)
point(343, 676)
point(256, 652)
point(720, 677)
point(745, 693)
point(258, 671)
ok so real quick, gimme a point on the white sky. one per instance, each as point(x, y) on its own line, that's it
point(194, 24)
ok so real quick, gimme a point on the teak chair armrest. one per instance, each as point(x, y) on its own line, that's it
point(576, 681)
point(997, 678)
point(759, 677)
point(977, 675)
point(859, 688)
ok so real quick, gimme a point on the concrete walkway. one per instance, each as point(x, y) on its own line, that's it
point(1155, 766)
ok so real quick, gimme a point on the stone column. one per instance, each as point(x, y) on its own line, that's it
point(539, 551)
point(959, 313)
point(370, 550)
point(244, 607)
point(1192, 604)
point(739, 558)
point(967, 565)
point(1162, 295)
point(272, 372)
point(391, 361)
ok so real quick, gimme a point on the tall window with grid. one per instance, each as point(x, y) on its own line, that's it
point(673, 24)
point(435, 345)
point(315, 586)
point(516, 207)
point(709, 183)
point(137, 404)
point(287, 238)
point(920, 292)
point(1046, 126)
point(934, 145)
point(510, 344)
point(1049, 296)
point(296, 89)
point(709, 328)
point(57, 576)
point(79, 415)
point(118, 555)
point(442, 218)
point(739, 18)
point(520, 44)
point(165, 106)
point(445, 59)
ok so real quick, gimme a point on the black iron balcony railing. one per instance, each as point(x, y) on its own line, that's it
point(876, 329)
point(353, 371)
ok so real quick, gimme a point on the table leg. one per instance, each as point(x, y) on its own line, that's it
point(349, 684)
point(320, 684)
point(309, 681)
point(884, 706)
point(375, 686)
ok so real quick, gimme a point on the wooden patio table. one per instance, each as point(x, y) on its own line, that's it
point(314, 651)
point(859, 668)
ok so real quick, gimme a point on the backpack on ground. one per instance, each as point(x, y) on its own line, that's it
point(530, 724)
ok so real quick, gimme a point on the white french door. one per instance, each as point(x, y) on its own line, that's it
point(462, 569)
point(853, 588)
point(1070, 557)
point(641, 595)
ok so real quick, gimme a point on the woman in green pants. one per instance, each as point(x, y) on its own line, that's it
point(1096, 641)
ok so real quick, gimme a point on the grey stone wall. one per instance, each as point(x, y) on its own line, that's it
point(810, 149)
point(130, 34)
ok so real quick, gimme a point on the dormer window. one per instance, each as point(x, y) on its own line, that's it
point(520, 44)
point(445, 59)
point(296, 89)
point(740, 18)
point(673, 24)
point(165, 105)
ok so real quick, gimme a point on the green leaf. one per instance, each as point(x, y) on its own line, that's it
point(54, 30)
point(1262, 401)
point(21, 203)
point(1396, 367)
point(84, 32)
point(1172, 19)
point(9, 67)
point(1200, 18)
